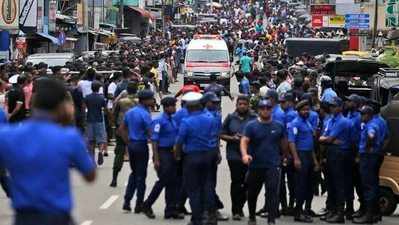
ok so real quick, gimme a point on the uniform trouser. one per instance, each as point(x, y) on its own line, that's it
point(167, 174)
point(182, 192)
point(119, 154)
point(340, 176)
point(303, 178)
point(255, 180)
point(357, 182)
point(238, 187)
point(198, 180)
point(4, 181)
point(34, 218)
point(218, 202)
point(138, 155)
point(289, 172)
point(369, 169)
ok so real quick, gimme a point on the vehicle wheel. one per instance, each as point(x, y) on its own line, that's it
point(387, 201)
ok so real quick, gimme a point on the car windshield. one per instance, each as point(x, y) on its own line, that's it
point(207, 56)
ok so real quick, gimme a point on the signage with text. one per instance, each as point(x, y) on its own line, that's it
point(322, 9)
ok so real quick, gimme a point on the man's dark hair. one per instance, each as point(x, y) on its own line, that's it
point(48, 94)
point(95, 86)
point(132, 88)
point(91, 74)
point(243, 98)
point(125, 72)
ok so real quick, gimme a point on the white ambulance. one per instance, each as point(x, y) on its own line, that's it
point(207, 55)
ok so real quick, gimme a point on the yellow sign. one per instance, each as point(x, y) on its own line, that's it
point(336, 21)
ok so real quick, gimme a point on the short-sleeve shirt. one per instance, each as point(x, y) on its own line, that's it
point(339, 128)
point(15, 96)
point(355, 118)
point(370, 128)
point(198, 132)
point(138, 121)
point(232, 125)
point(264, 144)
point(95, 104)
point(39, 165)
point(300, 132)
point(278, 115)
point(180, 115)
point(164, 131)
point(246, 63)
point(328, 95)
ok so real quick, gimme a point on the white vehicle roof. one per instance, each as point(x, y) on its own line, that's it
point(51, 59)
point(201, 44)
point(51, 55)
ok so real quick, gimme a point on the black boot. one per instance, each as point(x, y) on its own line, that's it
point(212, 218)
point(328, 215)
point(301, 217)
point(360, 212)
point(366, 218)
point(338, 217)
point(377, 215)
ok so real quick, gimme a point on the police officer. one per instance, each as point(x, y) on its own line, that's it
point(301, 141)
point(39, 165)
point(198, 133)
point(164, 132)
point(371, 156)
point(211, 103)
point(337, 137)
point(353, 114)
point(121, 107)
point(263, 142)
point(216, 88)
point(135, 130)
point(328, 93)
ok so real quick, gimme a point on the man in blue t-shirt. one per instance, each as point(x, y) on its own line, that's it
point(263, 143)
point(245, 64)
point(39, 165)
point(96, 134)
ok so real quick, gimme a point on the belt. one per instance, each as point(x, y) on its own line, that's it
point(170, 149)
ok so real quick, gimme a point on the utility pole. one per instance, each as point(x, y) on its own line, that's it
point(121, 17)
point(375, 23)
point(163, 18)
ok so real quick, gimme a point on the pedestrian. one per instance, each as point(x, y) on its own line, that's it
point(135, 131)
point(371, 157)
point(328, 93)
point(216, 88)
point(301, 136)
point(232, 131)
point(96, 104)
point(337, 137)
point(15, 100)
point(198, 134)
point(164, 132)
point(121, 107)
point(245, 64)
point(262, 145)
point(41, 193)
point(78, 102)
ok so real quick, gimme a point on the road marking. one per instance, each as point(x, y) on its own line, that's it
point(109, 202)
point(87, 222)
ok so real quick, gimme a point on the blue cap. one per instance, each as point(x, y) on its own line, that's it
point(271, 93)
point(209, 97)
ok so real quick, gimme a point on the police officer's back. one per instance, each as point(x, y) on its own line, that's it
point(39, 165)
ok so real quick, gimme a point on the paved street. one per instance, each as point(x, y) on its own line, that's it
point(99, 204)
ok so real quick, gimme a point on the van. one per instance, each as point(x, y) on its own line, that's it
point(207, 55)
point(51, 59)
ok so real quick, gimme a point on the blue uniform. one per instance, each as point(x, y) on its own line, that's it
point(300, 132)
point(278, 115)
point(199, 133)
point(328, 95)
point(383, 127)
point(370, 162)
point(355, 118)
point(340, 161)
point(39, 165)
point(290, 115)
point(3, 117)
point(138, 121)
point(244, 86)
point(164, 132)
point(339, 128)
point(314, 119)
point(180, 115)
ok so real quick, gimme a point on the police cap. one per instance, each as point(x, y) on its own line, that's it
point(367, 110)
point(209, 97)
point(271, 93)
point(354, 98)
point(336, 102)
point(192, 97)
point(302, 104)
point(264, 103)
point(286, 97)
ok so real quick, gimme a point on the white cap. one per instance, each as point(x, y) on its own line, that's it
point(13, 79)
point(192, 97)
point(64, 70)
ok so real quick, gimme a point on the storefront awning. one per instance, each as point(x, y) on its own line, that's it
point(142, 12)
point(53, 39)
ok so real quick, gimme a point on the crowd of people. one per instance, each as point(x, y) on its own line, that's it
point(284, 134)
